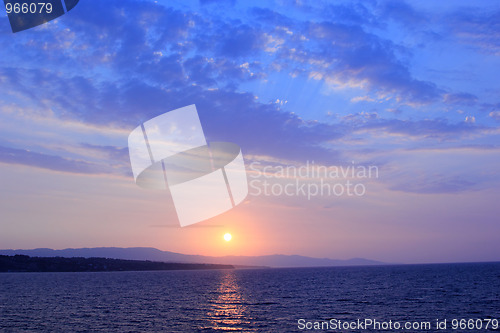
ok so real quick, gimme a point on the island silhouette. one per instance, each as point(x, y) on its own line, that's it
point(24, 263)
point(153, 254)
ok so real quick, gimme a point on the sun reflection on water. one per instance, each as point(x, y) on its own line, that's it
point(228, 307)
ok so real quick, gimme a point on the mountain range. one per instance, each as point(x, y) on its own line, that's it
point(152, 254)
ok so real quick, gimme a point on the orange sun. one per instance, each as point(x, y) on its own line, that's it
point(227, 237)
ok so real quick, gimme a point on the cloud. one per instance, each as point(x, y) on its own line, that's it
point(239, 41)
point(460, 99)
point(131, 39)
point(116, 154)
point(477, 28)
point(262, 129)
point(226, 115)
point(124, 62)
point(352, 13)
point(350, 53)
point(436, 184)
point(209, 2)
point(362, 99)
point(470, 119)
point(395, 111)
point(403, 13)
point(348, 56)
point(429, 128)
point(495, 115)
point(271, 17)
point(34, 159)
point(360, 118)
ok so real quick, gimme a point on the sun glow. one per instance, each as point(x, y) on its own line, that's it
point(227, 237)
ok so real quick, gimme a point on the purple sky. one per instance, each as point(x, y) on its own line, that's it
point(410, 88)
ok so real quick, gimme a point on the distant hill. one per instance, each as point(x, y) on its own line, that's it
point(152, 254)
point(23, 263)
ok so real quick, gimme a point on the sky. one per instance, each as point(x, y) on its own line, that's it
point(409, 89)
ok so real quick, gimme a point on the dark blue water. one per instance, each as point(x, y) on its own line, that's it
point(272, 300)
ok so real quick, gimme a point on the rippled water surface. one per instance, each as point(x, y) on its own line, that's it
point(264, 300)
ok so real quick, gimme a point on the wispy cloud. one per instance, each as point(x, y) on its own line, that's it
point(478, 28)
point(38, 160)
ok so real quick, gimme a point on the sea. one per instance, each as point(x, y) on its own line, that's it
point(398, 298)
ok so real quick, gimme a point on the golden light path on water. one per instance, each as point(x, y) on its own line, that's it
point(228, 307)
